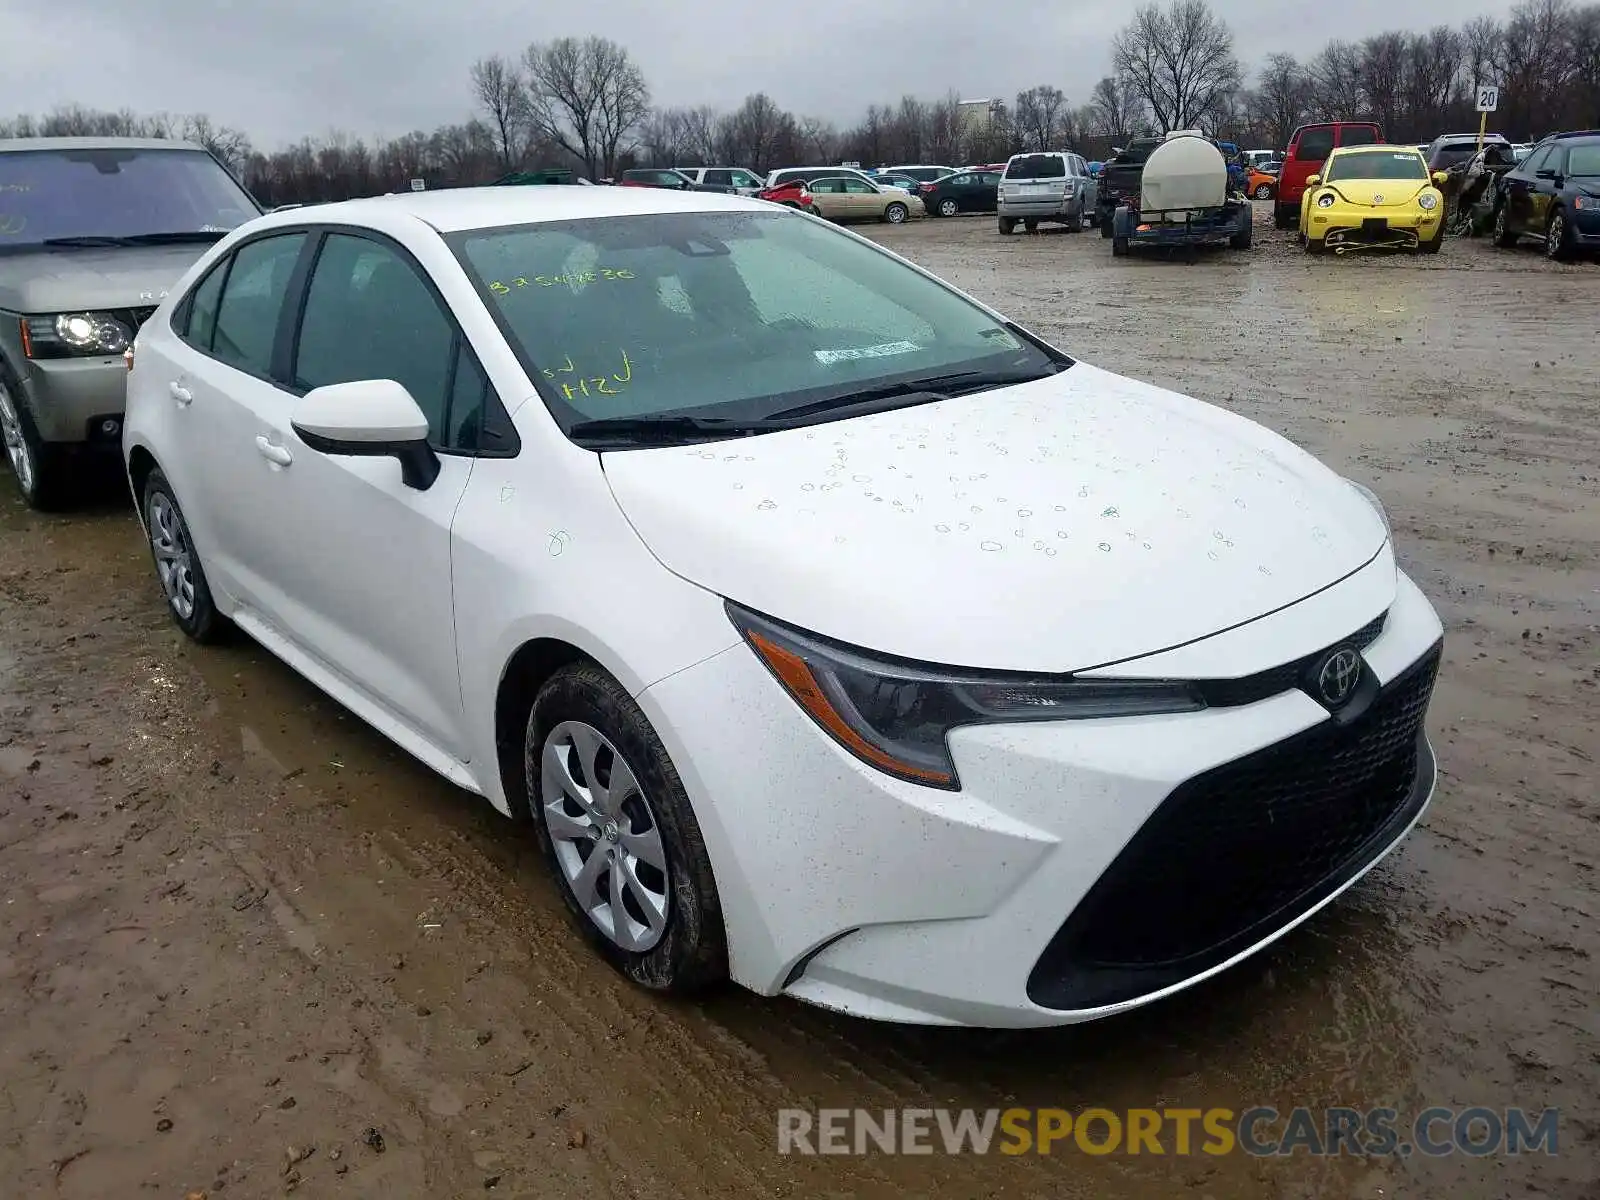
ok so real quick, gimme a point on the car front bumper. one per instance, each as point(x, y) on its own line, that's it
point(1374, 227)
point(1085, 868)
point(77, 399)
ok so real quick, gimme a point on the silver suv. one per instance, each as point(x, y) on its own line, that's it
point(1048, 185)
point(93, 231)
point(746, 183)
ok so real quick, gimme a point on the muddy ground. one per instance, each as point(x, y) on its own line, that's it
point(241, 930)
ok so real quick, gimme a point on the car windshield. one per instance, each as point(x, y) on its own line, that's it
point(1037, 166)
point(1583, 160)
point(1376, 164)
point(115, 193)
point(724, 315)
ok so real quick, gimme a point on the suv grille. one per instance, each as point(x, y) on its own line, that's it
point(1243, 849)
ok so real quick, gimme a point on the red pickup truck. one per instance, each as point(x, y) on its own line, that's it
point(1309, 147)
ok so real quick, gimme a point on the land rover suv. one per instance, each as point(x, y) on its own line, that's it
point(93, 231)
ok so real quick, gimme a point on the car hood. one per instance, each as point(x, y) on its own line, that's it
point(1052, 526)
point(64, 280)
point(1379, 193)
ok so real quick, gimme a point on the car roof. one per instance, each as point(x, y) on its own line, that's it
point(1574, 133)
point(7, 145)
point(1375, 148)
point(450, 210)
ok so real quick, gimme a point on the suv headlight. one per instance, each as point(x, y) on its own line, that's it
point(894, 714)
point(1371, 497)
point(74, 335)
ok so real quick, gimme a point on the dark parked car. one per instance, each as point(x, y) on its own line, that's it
point(963, 192)
point(1119, 181)
point(1554, 194)
point(663, 177)
point(1453, 149)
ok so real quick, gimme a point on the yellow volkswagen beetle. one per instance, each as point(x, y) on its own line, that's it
point(1370, 197)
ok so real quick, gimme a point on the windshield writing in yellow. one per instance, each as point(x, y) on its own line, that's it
point(573, 279)
point(589, 385)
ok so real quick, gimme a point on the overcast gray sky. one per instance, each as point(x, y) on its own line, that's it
point(282, 69)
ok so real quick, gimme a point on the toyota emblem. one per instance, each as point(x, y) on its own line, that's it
point(1337, 677)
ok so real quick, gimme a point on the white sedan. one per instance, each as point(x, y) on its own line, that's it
point(836, 634)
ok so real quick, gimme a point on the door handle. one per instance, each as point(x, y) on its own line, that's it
point(180, 393)
point(273, 452)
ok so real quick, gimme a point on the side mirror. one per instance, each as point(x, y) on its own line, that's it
point(1313, 180)
point(1546, 173)
point(1440, 178)
point(370, 418)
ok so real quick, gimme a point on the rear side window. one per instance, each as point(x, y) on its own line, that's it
point(1037, 166)
point(1357, 135)
point(200, 321)
point(719, 178)
point(252, 301)
point(1315, 144)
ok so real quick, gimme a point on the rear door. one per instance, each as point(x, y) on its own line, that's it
point(1547, 182)
point(1521, 186)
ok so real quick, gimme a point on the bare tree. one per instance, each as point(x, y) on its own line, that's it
point(1116, 110)
point(664, 138)
point(499, 89)
point(1282, 98)
point(758, 133)
point(231, 146)
point(585, 96)
point(1179, 60)
point(1336, 82)
point(1039, 115)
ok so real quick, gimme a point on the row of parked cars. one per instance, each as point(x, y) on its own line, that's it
point(550, 492)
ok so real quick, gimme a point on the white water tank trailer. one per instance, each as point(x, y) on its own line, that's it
point(1185, 174)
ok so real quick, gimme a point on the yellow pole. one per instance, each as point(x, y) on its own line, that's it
point(1483, 126)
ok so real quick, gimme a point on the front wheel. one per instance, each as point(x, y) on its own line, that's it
point(896, 213)
point(1432, 246)
point(1263, 191)
point(948, 208)
point(35, 463)
point(183, 579)
point(616, 825)
point(1315, 245)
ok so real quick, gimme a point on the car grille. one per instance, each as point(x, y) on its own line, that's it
point(1243, 849)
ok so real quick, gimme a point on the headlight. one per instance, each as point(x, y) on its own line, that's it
point(74, 335)
point(1586, 203)
point(1428, 201)
point(894, 715)
point(1325, 200)
point(1371, 497)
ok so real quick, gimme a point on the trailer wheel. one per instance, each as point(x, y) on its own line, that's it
point(1242, 240)
point(1119, 247)
point(1105, 227)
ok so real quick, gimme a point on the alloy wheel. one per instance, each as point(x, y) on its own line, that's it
point(174, 559)
point(606, 839)
point(18, 451)
point(947, 208)
point(1555, 236)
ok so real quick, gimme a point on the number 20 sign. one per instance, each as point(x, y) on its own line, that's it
point(1488, 99)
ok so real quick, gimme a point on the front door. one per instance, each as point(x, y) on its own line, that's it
point(361, 562)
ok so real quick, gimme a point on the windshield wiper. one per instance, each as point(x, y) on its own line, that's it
point(180, 238)
point(88, 240)
point(917, 391)
point(666, 427)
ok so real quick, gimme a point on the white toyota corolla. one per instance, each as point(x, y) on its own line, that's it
point(836, 634)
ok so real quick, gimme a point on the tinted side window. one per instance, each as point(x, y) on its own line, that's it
point(720, 178)
point(856, 187)
point(369, 315)
point(201, 310)
point(1557, 161)
point(1315, 145)
point(252, 300)
point(1357, 135)
point(1538, 160)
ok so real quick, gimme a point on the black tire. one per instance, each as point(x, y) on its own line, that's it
point(1558, 245)
point(1008, 226)
point(896, 213)
point(1432, 246)
point(1503, 235)
point(203, 623)
point(1105, 226)
point(46, 488)
point(691, 954)
point(1245, 238)
point(1119, 246)
point(1315, 246)
point(1285, 217)
point(1030, 225)
point(947, 207)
